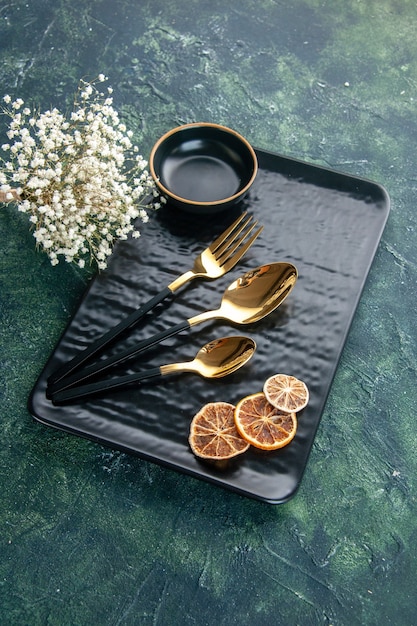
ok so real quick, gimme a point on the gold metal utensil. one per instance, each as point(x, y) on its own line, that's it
point(216, 359)
point(215, 261)
point(247, 300)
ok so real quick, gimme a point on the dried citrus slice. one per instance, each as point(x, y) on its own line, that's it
point(263, 425)
point(286, 392)
point(213, 433)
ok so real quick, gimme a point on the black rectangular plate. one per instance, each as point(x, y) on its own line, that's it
point(327, 223)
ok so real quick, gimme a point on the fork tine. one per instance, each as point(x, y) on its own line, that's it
point(231, 261)
point(233, 242)
point(229, 241)
point(221, 238)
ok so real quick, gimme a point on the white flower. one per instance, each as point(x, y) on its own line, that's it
point(17, 103)
point(7, 99)
point(87, 92)
point(72, 175)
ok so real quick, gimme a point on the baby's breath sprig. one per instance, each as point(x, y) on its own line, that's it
point(80, 179)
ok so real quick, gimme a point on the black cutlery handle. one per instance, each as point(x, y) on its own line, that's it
point(108, 338)
point(86, 391)
point(116, 359)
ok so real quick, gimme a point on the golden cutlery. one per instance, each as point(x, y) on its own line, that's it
point(215, 261)
point(216, 359)
point(247, 300)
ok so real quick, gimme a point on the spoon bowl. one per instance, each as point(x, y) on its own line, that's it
point(218, 358)
point(254, 295)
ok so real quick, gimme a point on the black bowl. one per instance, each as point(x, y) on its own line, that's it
point(202, 167)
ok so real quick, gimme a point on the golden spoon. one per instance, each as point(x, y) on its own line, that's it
point(248, 299)
point(216, 359)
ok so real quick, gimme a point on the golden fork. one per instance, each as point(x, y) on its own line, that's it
point(215, 261)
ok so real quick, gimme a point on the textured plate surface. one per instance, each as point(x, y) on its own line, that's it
point(328, 224)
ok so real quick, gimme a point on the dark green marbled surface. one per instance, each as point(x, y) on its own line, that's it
point(92, 536)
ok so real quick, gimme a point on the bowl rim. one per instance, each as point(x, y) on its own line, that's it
point(208, 203)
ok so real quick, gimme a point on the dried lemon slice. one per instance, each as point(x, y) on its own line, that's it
point(213, 433)
point(263, 425)
point(286, 393)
